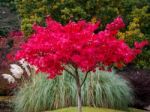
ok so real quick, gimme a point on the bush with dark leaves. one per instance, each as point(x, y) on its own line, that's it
point(140, 81)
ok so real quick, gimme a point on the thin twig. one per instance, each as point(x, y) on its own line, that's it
point(72, 68)
point(77, 75)
point(70, 73)
point(84, 78)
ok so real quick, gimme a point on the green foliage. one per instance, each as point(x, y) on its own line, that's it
point(103, 89)
point(135, 32)
point(64, 10)
point(105, 10)
point(8, 3)
point(143, 60)
point(34, 96)
point(143, 14)
point(31, 11)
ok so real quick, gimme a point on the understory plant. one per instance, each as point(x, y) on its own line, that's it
point(19, 73)
point(134, 33)
point(74, 47)
point(140, 82)
point(8, 46)
point(101, 89)
point(106, 89)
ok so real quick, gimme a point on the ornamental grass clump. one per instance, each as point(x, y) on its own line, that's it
point(75, 46)
point(34, 95)
point(106, 89)
point(101, 89)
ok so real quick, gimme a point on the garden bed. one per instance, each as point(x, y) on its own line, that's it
point(5, 104)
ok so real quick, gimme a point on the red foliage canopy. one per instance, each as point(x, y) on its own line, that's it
point(53, 46)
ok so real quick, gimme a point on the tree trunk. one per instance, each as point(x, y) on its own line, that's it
point(79, 93)
point(79, 99)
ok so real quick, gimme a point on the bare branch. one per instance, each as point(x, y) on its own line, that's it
point(70, 73)
point(84, 78)
point(72, 68)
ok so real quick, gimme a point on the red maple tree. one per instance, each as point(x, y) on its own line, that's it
point(75, 46)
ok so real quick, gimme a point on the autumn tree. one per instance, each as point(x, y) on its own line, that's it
point(74, 47)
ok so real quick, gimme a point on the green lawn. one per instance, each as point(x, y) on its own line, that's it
point(91, 109)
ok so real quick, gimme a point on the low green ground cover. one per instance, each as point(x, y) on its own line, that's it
point(91, 109)
point(101, 89)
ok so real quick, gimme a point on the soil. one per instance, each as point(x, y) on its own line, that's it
point(5, 87)
point(132, 70)
point(5, 104)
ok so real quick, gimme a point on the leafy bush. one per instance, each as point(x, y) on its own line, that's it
point(143, 16)
point(31, 12)
point(64, 10)
point(140, 81)
point(133, 34)
point(143, 60)
point(101, 89)
point(8, 46)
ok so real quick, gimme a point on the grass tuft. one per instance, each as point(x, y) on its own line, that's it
point(101, 89)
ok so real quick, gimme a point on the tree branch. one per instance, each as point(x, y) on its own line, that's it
point(70, 73)
point(72, 68)
point(84, 78)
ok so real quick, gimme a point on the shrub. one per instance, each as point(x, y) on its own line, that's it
point(140, 81)
point(64, 10)
point(138, 30)
point(103, 89)
point(31, 12)
point(8, 47)
point(133, 34)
